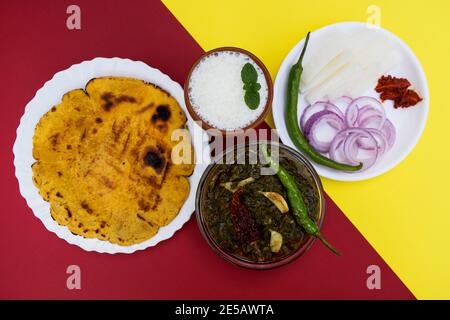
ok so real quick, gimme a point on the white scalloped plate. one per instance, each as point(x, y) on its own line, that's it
point(75, 77)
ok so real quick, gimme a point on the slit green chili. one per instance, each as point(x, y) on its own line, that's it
point(293, 127)
point(295, 198)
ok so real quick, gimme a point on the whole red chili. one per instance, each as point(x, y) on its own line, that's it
point(243, 221)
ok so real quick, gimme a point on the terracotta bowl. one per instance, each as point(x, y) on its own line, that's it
point(267, 107)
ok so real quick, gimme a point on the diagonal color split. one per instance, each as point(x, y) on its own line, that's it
point(183, 267)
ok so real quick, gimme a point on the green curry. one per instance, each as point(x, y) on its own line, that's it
point(274, 234)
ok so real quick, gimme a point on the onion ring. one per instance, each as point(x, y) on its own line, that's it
point(363, 132)
point(317, 107)
point(316, 122)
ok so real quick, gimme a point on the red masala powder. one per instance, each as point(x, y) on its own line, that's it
point(397, 90)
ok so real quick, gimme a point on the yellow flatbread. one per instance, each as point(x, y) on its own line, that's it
point(103, 160)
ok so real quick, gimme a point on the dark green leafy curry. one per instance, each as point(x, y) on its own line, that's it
point(248, 214)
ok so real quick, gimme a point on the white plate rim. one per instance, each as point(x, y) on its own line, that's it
point(50, 94)
point(337, 175)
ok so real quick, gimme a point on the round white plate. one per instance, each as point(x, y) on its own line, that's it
point(409, 123)
point(75, 77)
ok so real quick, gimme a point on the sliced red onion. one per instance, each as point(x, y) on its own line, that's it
point(337, 149)
point(351, 149)
point(369, 117)
point(363, 104)
point(316, 123)
point(389, 132)
point(380, 138)
point(345, 149)
point(373, 122)
point(303, 117)
point(317, 107)
point(351, 115)
point(369, 112)
point(342, 103)
point(363, 133)
point(368, 101)
point(339, 125)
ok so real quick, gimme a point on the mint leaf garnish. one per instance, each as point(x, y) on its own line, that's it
point(252, 99)
point(251, 86)
point(249, 74)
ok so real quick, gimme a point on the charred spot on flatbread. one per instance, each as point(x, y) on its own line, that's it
point(162, 113)
point(110, 100)
point(155, 159)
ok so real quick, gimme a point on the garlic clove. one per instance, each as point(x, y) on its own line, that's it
point(243, 183)
point(276, 241)
point(278, 200)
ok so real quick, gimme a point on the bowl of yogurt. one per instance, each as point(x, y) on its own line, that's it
point(216, 92)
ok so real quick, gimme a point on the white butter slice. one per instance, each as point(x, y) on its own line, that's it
point(356, 68)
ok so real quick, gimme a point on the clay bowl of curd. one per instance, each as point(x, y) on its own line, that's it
point(216, 94)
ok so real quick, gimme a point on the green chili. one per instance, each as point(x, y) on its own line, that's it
point(292, 120)
point(295, 198)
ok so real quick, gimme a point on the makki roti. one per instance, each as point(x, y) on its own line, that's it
point(103, 160)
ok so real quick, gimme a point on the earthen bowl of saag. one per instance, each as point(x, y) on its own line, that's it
point(243, 211)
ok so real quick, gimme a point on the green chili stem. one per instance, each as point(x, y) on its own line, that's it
point(296, 201)
point(325, 242)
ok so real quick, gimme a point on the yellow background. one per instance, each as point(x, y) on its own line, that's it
point(404, 214)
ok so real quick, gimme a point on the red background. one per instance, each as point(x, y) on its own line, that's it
point(36, 44)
